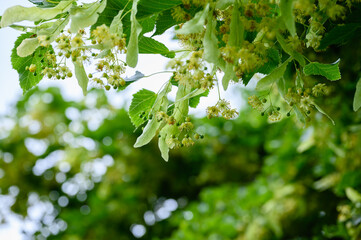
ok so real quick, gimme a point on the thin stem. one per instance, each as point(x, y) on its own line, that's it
point(158, 73)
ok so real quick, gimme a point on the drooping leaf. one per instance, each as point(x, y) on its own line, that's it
point(210, 41)
point(194, 101)
point(85, 15)
point(20, 13)
point(229, 75)
point(274, 76)
point(140, 106)
point(323, 112)
point(236, 35)
point(116, 25)
point(81, 76)
point(196, 24)
point(28, 79)
point(357, 98)
point(340, 34)
point(149, 45)
point(160, 104)
point(136, 28)
point(27, 47)
point(296, 55)
point(286, 8)
point(329, 71)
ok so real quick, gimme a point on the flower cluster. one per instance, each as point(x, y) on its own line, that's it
point(222, 108)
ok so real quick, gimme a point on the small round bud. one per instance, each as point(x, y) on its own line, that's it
point(107, 87)
point(278, 108)
point(264, 100)
point(90, 75)
point(69, 74)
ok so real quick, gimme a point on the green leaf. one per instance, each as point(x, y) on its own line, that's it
point(28, 79)
point(85, 15)
point(164, 21)
point(27, 47)
point(148, 24)
point(286, 8)
point(111, 10)
point(323, 112)
point(160, 104)
point(210, 41)
point(150, 7)
point(236, 35)
point(81, 76)
point(229, 75)
point(142, 101)
point(223, 4)
point(196, 24)
point(340, 34)
point(116, 25)
point(296, 55)
point(357, 98)
point(19, 13)
point(151, 46)
point(276, 74)
point(194, 101)
point(329, 71)
point(136, 28)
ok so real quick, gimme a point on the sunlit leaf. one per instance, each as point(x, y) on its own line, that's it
point(142, 102)
point(210, 41)
point(117, 25)
point(136, 28)
point(81, 76)
point(28, 79)
point(19, 13)
point(27, 47)
point(85, 15)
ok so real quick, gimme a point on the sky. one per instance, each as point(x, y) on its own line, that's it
point(10, 90)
